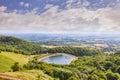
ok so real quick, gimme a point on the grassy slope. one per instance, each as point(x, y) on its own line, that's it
point(7, 59)
point(22, 59)
point(29, 75)
point(5, 63)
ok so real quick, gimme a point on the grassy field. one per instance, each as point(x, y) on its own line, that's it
point(5, 63)
point(29, 75)
point(7, 59)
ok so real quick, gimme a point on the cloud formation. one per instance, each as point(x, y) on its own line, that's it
point(23, 4)
point(71, 19)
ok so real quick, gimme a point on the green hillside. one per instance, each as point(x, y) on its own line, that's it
point(5, 63)
point(12, 44)
point(29, 75)
point(7, 59)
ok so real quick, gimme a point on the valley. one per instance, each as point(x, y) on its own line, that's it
point(21, 59)
point(105, 42)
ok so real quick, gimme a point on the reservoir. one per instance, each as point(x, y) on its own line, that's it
point(59, 59)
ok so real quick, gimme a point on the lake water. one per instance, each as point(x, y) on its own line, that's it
point(59, 59)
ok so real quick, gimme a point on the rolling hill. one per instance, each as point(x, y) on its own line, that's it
point(12, 44)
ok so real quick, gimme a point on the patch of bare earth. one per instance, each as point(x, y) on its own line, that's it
point(8, 77)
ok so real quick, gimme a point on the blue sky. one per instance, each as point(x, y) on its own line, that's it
point(15, 4)
point(60, 16)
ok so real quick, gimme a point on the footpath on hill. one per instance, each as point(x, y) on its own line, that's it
point(6, 77)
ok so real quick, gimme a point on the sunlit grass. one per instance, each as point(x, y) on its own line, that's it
point(7, 59)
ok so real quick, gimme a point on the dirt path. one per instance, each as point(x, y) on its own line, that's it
point(7, 77)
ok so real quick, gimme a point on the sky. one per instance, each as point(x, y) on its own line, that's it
point(60, 16)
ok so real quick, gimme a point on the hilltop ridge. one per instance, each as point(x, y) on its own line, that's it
point(17, 45)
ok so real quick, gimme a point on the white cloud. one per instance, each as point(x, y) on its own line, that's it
point(85, 3)
point(27, 5)
point(3, 8)
point(77, 3)
point(48, 6)
point(23, 4)
point(70, 20)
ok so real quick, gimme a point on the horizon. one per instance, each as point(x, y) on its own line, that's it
point(65, 35)
point(72, 33)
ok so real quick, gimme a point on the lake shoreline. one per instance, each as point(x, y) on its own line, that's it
point(57, 54)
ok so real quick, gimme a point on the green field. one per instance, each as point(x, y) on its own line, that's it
point(5, 63)
point(7, 59)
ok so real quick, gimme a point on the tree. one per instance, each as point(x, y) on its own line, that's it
point(112, 76)
point(16, 67)
point(118, 70)
point(72, 78)
point(108, 65)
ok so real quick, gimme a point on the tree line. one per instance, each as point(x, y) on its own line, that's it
point(12, 44)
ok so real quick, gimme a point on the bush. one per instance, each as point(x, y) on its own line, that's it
point(73, 78)
point(16, 67)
